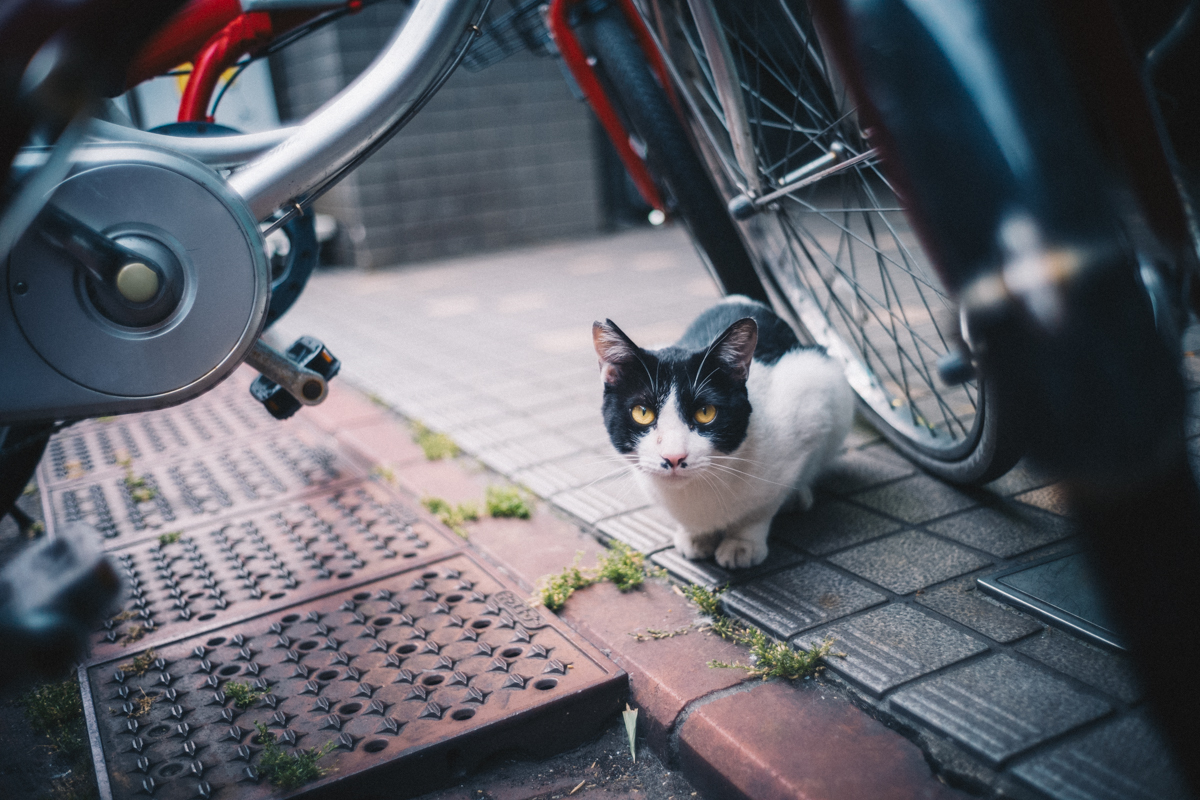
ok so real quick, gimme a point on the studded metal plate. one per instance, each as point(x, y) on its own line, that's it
point(217, 573)
point(409, 676)
point(158, 495)
point(227, 413)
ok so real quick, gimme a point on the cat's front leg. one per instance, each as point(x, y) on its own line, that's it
point(745, 546)
point(694, 546)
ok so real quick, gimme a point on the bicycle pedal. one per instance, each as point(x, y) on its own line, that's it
point(307, 355)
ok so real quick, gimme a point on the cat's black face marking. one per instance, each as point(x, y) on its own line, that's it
point(696, 378)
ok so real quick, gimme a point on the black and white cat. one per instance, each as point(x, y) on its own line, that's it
point(726, 426)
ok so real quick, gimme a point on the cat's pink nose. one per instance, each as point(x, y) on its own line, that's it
point(678, 462)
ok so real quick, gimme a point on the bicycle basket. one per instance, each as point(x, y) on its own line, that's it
point(505, 32)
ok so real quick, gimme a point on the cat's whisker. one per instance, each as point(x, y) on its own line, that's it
point(730, 469)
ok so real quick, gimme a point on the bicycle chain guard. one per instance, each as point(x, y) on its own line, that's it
point(74, 361)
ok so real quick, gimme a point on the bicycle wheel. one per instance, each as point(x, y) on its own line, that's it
point(838, 256)
point(669, 154)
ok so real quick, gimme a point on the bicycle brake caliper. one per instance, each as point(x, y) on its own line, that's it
point(288, 380)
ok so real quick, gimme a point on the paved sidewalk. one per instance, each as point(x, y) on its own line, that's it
point(496, 352)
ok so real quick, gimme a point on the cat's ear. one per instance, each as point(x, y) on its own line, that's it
point(735, 347)
point(614, 349)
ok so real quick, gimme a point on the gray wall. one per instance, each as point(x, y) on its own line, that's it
point(498, 158)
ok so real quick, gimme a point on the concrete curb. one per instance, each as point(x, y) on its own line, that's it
point(731, 737)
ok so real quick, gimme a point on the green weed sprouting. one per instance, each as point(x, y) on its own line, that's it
point(435, 445)
point(769, 658)
point(556, 589)
point(506, 501)
point(622, 565)
point(289, 770)
point(241, 694)
point(169, 538)
point(453, 517)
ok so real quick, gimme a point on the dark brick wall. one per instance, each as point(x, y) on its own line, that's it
point(501, 157)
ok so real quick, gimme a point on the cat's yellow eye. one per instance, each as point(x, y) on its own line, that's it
point(643, 415)
point(705, 414)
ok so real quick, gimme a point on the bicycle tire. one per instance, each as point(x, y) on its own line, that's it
point(779, 60)
point(669, 153)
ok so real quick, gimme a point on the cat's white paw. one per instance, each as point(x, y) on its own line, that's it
point(695, 546)
point(739, 553)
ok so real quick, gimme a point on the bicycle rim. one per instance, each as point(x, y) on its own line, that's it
point(838, 256)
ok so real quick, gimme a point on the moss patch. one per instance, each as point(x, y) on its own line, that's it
point(289, 770)
point(506, 501)
point(436, 446)
point(453, 517)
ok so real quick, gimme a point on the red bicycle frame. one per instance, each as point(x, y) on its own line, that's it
point(214, 35)
point(576, 60)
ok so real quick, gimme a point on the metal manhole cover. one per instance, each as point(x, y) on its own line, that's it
point(227, 413)
point(151, 496)
point(411, 677)
point(217, 573)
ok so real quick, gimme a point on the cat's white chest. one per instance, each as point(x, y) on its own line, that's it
point(802, 410)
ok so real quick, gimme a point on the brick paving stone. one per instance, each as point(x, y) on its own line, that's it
point(1005, 531)
point(855, 470)
point(964, 604)
point(386, 443)
point(446, 479)
point(343, 408)
point(1122, 759)
point(916, 499)
point(776, 742)
point(648, 530)
point(908, 561)
point(518, 454)
point(893, 645)
point(705, 572)
point(603, 499)
point(529, 550)
point(578, 469)
point(801, 597)
point(1051, 498)
point(999, 706)
point(831, 525)
point(665, 675)
point(1106, 671)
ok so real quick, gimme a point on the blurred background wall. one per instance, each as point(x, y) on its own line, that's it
point(501, 157)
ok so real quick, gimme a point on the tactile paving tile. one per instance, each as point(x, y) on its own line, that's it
point(1122, 759)
point(999, 706)
point(94, 447)
point(396, 673)
point(212, 575)
point(161, 495)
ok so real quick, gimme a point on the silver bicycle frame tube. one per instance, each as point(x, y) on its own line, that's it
point(216, 151)
point(365, 110)
point(288, 162)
